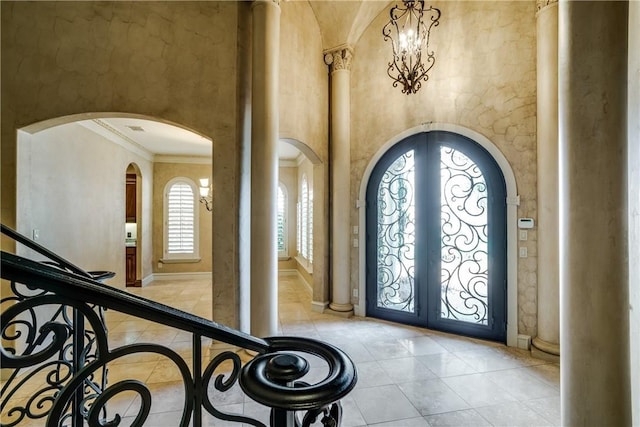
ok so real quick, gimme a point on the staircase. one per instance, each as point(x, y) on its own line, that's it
point(54, 334)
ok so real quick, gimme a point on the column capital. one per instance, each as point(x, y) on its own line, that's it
point(339, 58)
point(541, 4)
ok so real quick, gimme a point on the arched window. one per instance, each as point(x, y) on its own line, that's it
point(181, 221)
point(305, 221)
point(304, 218)
point(310, 224)
point(282, 221)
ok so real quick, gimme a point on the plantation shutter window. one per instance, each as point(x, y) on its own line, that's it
point(282, 222)
point(304, 219)
point(180, 221)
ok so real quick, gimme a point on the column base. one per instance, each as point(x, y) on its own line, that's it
point(544, 350)
point(342, 310)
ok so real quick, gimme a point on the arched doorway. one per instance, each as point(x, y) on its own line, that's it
point(436, 236)
point(133, 226)
point(71, 181)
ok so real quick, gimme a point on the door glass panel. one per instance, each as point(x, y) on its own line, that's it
point(396, 236)
point(464, 231)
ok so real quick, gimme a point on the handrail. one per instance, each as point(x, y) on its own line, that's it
point(76, 287)
point(73, 347)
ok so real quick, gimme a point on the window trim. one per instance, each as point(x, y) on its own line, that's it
point(191, 257)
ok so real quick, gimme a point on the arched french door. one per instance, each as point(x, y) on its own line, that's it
point(436, 236)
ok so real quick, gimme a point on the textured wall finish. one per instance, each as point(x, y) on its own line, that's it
point(304, 121)
point(169, 60)
point(303, 85)
point(484, 79)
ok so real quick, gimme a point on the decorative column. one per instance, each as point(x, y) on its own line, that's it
point(594, 283)
point(547, 344)
point(264, 167)
point(339, 61)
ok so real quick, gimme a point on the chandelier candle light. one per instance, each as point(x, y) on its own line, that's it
point(409, 35)
point(206, 192)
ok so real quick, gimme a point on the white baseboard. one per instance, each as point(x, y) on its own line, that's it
point(177, 276)
point(294, 272)
point(288, 272)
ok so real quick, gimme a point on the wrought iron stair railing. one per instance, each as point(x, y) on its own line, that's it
point(54, 331)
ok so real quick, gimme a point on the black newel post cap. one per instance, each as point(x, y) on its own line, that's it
point(286, 367)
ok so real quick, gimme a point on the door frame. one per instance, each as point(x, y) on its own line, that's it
point(513, 200)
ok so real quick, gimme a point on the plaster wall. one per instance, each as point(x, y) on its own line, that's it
point(174, 61)
point(304, 100)
point(163, 173)
point(288, 177)
point(303, 79)
point(76, 203)
point(634, 202)
point(484, 79)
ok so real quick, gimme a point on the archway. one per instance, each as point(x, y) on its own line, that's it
point(133, 225)
point(308, 166)
point(71, 180)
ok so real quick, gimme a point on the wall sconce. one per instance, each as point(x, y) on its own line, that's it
point(409, 37)
point(206, 193)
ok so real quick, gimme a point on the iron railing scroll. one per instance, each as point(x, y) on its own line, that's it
point(55, 356)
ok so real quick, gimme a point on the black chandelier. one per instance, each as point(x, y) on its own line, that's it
point(409, 35)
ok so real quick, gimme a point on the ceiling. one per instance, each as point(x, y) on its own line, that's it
point(157, 138)
point(343, 21)
point(163, 139)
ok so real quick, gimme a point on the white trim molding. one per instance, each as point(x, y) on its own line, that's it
point(512, 217)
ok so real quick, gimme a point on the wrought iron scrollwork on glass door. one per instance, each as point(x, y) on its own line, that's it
point(396, 235)
point(464, 238)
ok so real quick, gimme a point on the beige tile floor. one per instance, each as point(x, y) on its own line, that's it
point(407, 376)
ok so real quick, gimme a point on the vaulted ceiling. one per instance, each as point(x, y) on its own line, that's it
point(344, 21)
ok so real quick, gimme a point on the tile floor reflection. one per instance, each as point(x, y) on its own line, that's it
point(408, 376)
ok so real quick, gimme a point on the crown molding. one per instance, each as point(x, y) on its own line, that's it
point(287, 163)
point(111, 134)
point(164, 158)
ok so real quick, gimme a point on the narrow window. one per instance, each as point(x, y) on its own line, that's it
point(282, 222)
point(310, 226)
point(304, 219)
point(181, 220)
